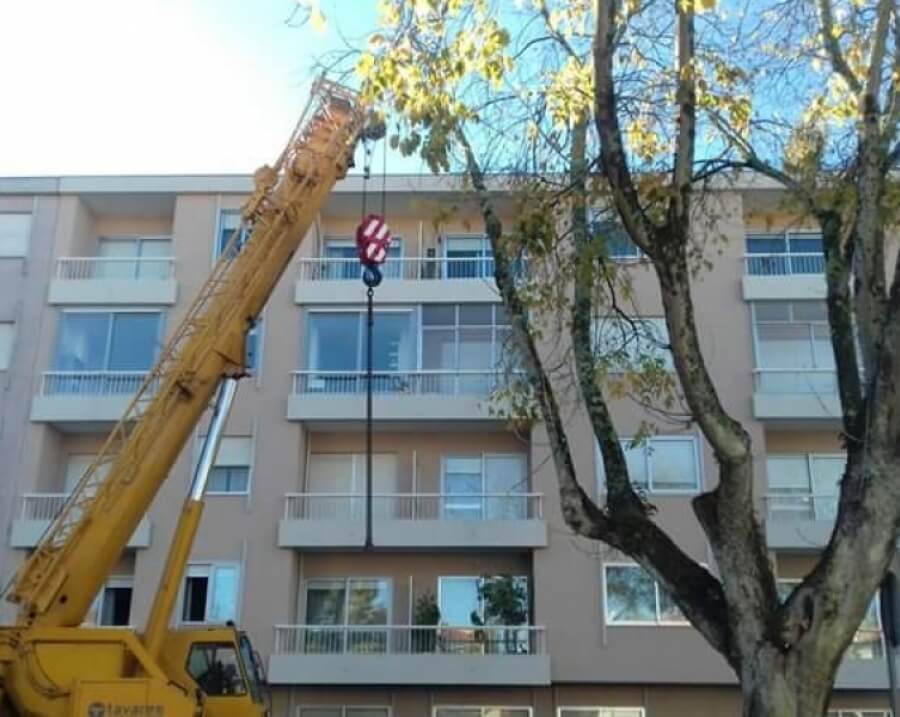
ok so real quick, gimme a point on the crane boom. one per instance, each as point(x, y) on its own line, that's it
point(57, 583)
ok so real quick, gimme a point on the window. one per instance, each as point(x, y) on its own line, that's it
point(253, 348)
point(793, 347)
point(482, 712)
point(632, 345)
point(7, 337)
point(15, 233)
point(790, 253)
point(344, 474)
point(662, 464)
point(112, 606)
point(231, 471)
point(107, 341)
point(229, 221)
point(216, 668)
point(858, 713)
point(601, 712)
point(485, 487)
point(633, 597)
point(468, 602)
point(868, 642)
point(468, 257)
point(804, 487)
point(135, 258)
point(345, 711)
point(349, 611)
point(466, 338)
point(619, 245)
point(210, 593)
point(345, 264)
point(337, 341)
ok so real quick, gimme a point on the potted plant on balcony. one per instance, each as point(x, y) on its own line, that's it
point(426, 614)
point(504, 600)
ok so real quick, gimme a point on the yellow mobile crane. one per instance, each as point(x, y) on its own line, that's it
point(49, 665)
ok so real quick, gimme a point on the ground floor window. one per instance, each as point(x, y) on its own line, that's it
point(345, 712)
point(858, 713)
point(482, 712)
point(601, 712)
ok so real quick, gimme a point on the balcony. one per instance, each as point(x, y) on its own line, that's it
point(72, 397)
point(799, 520)
point(409, 521)
point(35, 511)
point(792, 394)
point(784, 276)
point(413, 395)
point(112, 281)
point(409, 655)
point(419, 280)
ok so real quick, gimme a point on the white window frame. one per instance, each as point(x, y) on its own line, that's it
point(220, 212)
point(360, 312)
point(388, 710)
point(161, 330)
point(529, 710)
point(625, 442)
point(6, 357)
point(457, 326)
point(754, 324)
point(347, 579)
point(113, 581)
point(595, 219)
point(483, 457)
point(636, 623)
point(857, 712)
point(28, 238)
point(590, 711)
point(260, 328)
point(211, 565)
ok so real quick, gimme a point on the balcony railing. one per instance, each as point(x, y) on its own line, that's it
point(784, 264)
point(41, 506)
point(801, 506)
point(91, 383)
point(413, 382)
point(795, 380)
point(412, 268)
point(415, 506)
point(108, 267)
point(408, 640)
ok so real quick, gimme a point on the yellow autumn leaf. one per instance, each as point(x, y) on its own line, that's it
point(317, 20)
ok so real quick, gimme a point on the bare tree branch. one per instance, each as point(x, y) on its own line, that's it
point(833, 46)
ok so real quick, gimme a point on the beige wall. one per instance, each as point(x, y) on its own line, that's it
point(566, 575)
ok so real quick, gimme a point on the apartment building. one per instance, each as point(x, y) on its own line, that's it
point(476, 600)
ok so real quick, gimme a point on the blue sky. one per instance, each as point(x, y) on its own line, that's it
point(157, 86)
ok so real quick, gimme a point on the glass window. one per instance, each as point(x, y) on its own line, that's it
point(344, 260)
point(15, 234)
point(634, 597)
point(804, 487)
point(229, 222)
point(663, 464)
point(470, 338)
point(229, 479)
point(210, 593)
point(337, 341)
point(253, 348)
point(468, 257)
point(112, 606)
point(135, 258)
point(605, 225)
point(216, 669)
point(107, 341)
point(352, 607)
point(601, 712)
point(7, 337)
point(484, 487)
point(482, 712)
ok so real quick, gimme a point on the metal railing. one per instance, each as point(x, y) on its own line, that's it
point(784, 264)
point(413, 382)
point(801, 506)
point(415, 506)
point(795, 380)
point(109, 267)
point(91, 383)
point(41, 506)
point(408, 640)
point(407, 268)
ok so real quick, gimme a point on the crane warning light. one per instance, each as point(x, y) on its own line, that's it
point(373, 239)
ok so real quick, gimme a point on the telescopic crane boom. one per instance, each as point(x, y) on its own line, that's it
point(48, 664)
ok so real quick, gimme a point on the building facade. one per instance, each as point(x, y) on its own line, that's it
point(476, 600)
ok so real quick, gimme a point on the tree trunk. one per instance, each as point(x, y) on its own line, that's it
point(791, 684)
